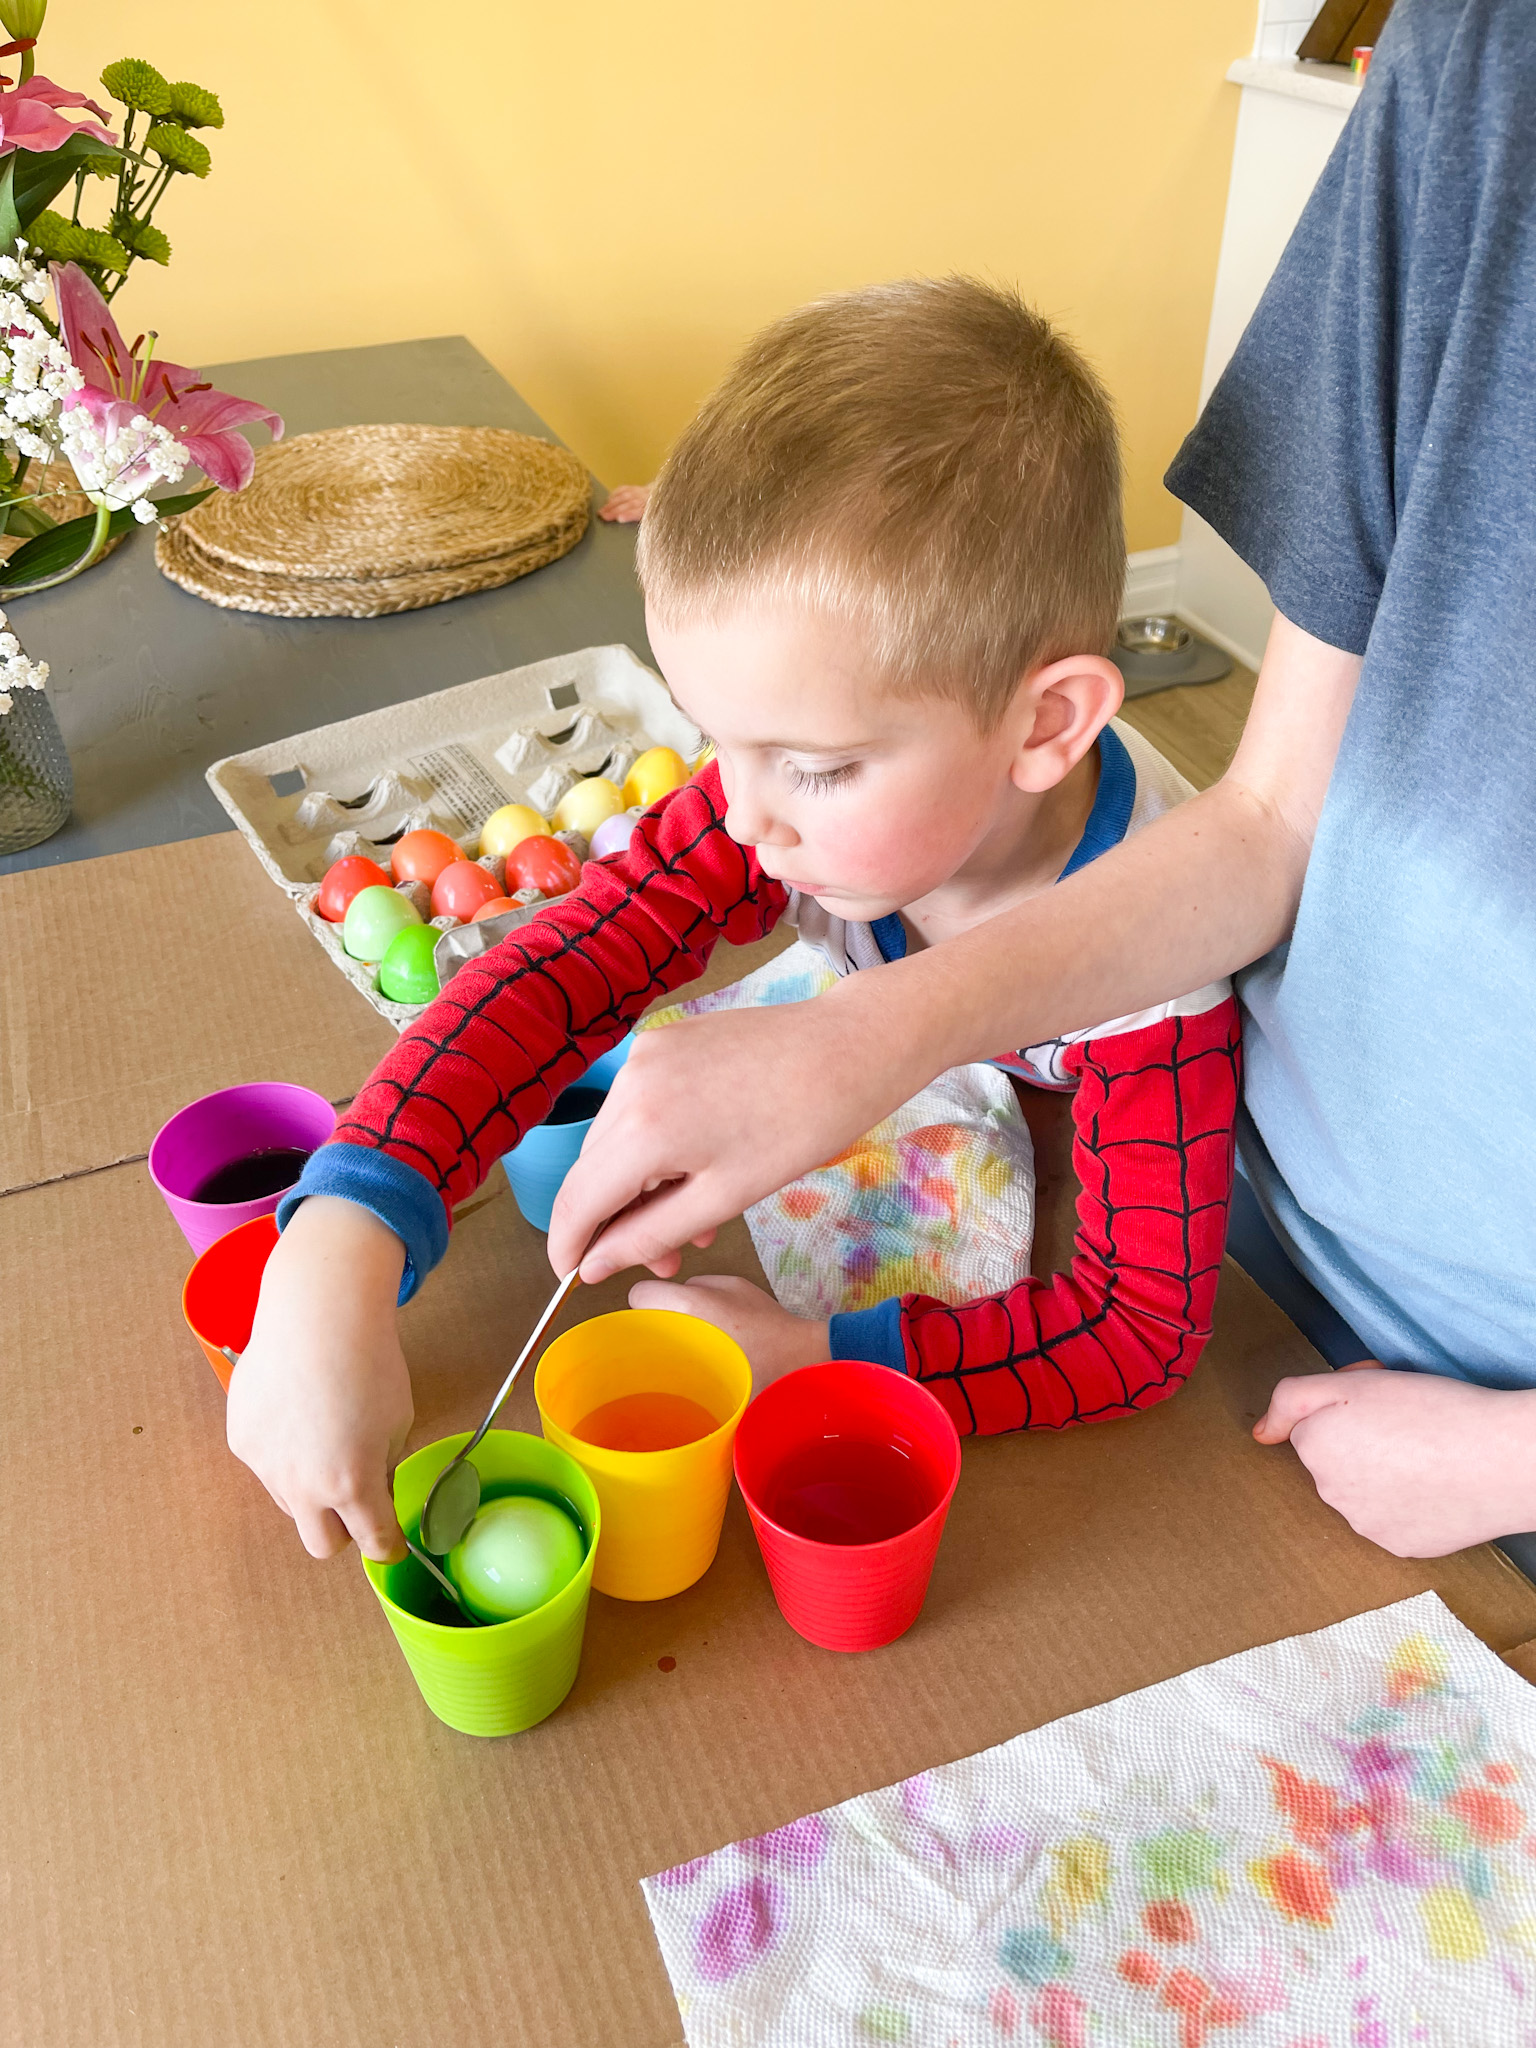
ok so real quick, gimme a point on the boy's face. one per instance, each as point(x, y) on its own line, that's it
point(863, 798)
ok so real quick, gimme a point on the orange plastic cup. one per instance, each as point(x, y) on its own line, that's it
point(222, 1289)
point(662, 1509)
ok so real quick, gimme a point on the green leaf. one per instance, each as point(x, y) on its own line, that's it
point(57, 549)
point(10, 224)
point(51, 552)
point(40, 179)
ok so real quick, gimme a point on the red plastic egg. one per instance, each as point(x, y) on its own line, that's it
point(497, 907)
point(343, 879)
point(461, 888)
point(544, 864)
point(422, 856)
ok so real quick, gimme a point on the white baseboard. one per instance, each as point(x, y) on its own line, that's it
point(1240, 650)
point(1151, 581)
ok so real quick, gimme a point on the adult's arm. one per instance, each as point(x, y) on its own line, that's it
point(718, 1111)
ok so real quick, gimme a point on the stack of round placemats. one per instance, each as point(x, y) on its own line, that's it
point(358, 521)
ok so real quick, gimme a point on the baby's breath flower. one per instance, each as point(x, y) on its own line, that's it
point(16, 672)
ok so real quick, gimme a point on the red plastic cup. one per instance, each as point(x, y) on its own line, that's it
point(218, 1129)
point(221, 1291)
point(848, 1471)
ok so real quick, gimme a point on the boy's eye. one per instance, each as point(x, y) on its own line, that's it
point(819, 780)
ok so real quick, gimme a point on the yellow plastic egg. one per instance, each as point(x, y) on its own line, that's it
point(509, 827)
point(585, 805)
point(656, 774)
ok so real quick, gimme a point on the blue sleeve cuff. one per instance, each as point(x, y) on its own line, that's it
point(873, 1334)
point(386, 1187)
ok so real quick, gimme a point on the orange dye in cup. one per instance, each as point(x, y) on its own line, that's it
point(647, 1422)
point(843, 1491)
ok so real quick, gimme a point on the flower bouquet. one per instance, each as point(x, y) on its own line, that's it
point(82, 412)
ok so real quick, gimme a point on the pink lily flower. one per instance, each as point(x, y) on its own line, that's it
point(122, 385)
point(29, 120)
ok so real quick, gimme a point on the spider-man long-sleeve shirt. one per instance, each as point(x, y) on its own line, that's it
point(1154, 1105)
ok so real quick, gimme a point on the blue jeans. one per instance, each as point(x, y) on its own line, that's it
point(1255, 1247)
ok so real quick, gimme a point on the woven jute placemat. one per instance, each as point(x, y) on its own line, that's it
point(359, 521)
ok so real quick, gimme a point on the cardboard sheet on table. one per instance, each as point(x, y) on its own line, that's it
point(229, 1818)
point(135, 983)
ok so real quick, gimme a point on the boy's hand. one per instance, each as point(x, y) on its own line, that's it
point(1413, 1461)
point(320, 1403)
point(775, 1341)
point(626, 504)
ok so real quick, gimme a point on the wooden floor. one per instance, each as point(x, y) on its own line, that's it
point(1196, 728)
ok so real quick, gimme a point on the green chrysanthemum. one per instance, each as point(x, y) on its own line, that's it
point(194, 106)
point(145, 240)
point(137, 85)
point(102, 249)
point(103, 166)
point(181, 151)
point(58, 239)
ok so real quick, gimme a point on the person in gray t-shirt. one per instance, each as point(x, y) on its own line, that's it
point(1371, 450)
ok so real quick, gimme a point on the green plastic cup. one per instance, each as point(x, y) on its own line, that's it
point(512, 1674)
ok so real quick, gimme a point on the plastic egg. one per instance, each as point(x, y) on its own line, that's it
point(497, 907)
point(612, 836)
point(507, 827)
point(543, 864)
point(374, 917)
point(586, 803)
point(517, 1554)
point(656, 774)
point(461, 888)
point(422, 856)
point(407, 973)
point(343, 879)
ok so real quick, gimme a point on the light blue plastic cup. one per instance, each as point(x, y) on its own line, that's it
point(537, 1167)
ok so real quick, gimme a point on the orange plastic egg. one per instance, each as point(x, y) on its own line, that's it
point(343, 879)
point(461, 889)
point(422, 856)
point(544, 864)
point(497, 907)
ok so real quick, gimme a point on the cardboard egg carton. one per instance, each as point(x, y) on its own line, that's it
point(445, 761)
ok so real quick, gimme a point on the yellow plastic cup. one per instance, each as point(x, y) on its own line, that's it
point(662, 1510)
point(501, 1679)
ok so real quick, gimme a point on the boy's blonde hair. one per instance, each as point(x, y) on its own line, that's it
point(927, 459)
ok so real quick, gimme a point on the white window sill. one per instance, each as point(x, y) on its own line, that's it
point(1325, 85)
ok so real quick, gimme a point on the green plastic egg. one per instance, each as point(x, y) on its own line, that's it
point(374, 916)
point(407, 973)
point(516, 1554)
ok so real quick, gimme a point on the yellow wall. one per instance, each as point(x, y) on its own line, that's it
point(607, 196)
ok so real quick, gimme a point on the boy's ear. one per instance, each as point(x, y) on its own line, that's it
point(1061, 710)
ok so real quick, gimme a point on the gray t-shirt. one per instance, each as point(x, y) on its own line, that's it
point(1371, 452)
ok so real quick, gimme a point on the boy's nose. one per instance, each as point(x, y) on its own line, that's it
point(750, 822)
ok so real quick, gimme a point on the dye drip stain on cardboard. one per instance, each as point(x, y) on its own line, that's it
point(1326, 1843)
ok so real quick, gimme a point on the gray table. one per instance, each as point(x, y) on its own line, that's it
point(150, 684)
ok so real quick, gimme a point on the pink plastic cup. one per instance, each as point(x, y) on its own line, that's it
point(848, 1471)
point(215, 1131)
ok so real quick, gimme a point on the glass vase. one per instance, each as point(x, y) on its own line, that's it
point(36, 786)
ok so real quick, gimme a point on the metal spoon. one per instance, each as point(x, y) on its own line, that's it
point(445, 1582)
point(454, 1499)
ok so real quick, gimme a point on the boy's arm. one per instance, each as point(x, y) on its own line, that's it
point(729, 1107)
point(1154, 1111)
point(511, 1030)
point(320, 1402)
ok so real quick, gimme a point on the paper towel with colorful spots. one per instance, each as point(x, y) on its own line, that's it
point(938, 1199)
point(1326, 1843)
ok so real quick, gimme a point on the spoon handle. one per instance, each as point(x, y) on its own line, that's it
point(444, 1581)
point(522, 1359)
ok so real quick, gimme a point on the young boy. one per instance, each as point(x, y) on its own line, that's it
point(881, 569)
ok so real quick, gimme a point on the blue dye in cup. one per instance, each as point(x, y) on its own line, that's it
point(537, 1167)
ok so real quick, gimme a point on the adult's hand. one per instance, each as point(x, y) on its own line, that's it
point(1417, 1463)
point(717, 1111)
point(714, 1112)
